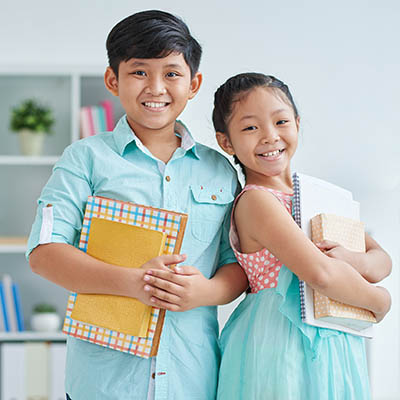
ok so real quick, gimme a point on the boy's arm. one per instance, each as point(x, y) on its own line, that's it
point(77, 271)
point(374, 265)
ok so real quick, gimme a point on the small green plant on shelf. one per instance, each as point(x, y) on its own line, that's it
point(43, 308)
point(31, 120)
point(33, 116)
point(45, 318)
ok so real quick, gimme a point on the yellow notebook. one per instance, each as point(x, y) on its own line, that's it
point(122, 245)
point(128, 235)
point(350, 234)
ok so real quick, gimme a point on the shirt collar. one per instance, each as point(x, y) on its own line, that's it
point(123, 135)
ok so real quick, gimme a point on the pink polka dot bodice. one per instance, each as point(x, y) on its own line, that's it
point(262, 267)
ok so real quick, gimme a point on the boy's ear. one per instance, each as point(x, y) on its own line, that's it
point(225, 143)
point(195, 84)
point(111, 81)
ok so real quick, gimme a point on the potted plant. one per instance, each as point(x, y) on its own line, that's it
point(31, 120)
point(45, 318)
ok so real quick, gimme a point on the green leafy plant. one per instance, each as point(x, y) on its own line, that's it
point(32, 115)
point(44, 308)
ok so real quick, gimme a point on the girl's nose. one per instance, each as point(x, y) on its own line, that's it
point(270, 136)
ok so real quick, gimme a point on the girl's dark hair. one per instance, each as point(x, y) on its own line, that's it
point(237, 87)
point(152, 34)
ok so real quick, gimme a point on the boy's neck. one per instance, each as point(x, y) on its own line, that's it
point(162, 143)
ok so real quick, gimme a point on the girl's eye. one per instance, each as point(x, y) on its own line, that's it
point(250, 128)
point(172, 74)
point(139, 73)
point(282, 122)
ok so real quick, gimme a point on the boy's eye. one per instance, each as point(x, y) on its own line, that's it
point(250, 128)
point(139, 73)
point(282, 122)
point(172, 74)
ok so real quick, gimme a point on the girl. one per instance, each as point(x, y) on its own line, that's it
point(268, 353)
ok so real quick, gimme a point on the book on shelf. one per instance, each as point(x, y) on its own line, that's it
point(333, 210)
point(96, 118)
point(128, 235)
point(11, 315)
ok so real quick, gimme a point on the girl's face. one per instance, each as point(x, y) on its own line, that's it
point(263, 133)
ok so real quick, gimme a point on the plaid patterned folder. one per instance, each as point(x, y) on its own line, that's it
point(169, 222)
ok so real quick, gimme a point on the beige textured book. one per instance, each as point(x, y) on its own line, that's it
point(350, 234)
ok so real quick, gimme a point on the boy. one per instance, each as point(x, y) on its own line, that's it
point(149, 158)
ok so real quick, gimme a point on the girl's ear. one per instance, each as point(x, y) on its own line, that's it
point(225, 143)
point(298, 123)
point(111, 81)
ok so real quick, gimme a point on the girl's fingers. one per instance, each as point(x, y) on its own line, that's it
point(164, 304)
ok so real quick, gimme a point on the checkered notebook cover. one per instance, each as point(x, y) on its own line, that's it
point(171, 223)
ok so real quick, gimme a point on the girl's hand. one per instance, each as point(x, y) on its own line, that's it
point(335, 250)
point(387, 302)
point(180, 289)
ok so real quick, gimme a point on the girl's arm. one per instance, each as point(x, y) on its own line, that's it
point(262, 221)
point(77, 271)
point(374, 265)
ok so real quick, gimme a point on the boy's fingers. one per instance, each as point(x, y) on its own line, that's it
point(161, 294)
point(186, 270)
point(167, 276)
point(163, 284)
point(169, 259)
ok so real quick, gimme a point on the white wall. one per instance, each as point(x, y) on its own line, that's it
point(341, 60)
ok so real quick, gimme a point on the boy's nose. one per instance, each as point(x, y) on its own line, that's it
point(156, 87)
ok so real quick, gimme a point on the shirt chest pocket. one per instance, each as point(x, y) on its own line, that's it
point(209, 207)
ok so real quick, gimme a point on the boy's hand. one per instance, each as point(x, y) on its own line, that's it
point(180, 289)
point(136, 287)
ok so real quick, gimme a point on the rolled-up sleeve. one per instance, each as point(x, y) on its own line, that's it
point(66, 193)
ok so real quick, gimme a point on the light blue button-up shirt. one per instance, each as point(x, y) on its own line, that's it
point(196, 180)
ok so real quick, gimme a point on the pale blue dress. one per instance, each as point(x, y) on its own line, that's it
point(269, 353)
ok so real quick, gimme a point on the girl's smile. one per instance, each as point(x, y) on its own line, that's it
point(262, 133)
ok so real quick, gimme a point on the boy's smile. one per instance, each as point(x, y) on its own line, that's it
point(153, 92)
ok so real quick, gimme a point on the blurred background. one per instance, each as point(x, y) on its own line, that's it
point(339, 59)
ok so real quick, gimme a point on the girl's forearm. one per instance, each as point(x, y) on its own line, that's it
point(343, 283)
point(374, 265)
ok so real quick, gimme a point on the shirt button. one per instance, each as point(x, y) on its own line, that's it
point(167, 178)
point(214, 197)
point(153, 375)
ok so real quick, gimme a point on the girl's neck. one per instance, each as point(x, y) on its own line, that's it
point(282, 182)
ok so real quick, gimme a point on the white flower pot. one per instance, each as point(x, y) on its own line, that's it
point(45, 322)
point(30, 143)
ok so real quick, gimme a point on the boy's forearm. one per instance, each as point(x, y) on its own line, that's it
point(75, 270)
point(227, 284)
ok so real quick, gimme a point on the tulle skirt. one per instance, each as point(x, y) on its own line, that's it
point(269, 353)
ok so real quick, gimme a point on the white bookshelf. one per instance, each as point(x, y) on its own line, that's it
point(31, 336)
point(29, 161)
point(65, 90)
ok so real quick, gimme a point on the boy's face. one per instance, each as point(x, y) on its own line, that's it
point(154, 91)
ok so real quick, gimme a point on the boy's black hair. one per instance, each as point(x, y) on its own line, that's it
point(235, 88)
point(152, 34)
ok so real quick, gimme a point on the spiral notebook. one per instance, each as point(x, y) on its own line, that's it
point(313, 196)
point(127, 235)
